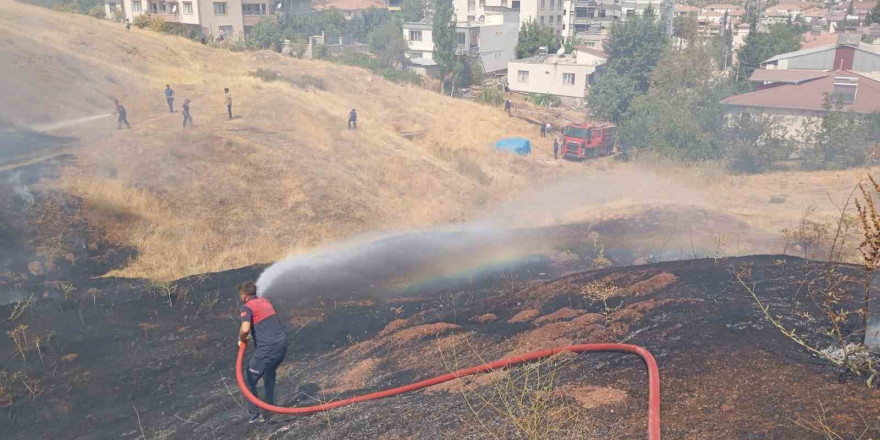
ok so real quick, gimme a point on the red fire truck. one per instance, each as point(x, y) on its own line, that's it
point(587, 140)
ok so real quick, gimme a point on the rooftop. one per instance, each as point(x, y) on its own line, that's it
point(592, 51)
point(788, 76)
point(549, 59)
point(810, 95)
point(349, 5)
point(720, 6)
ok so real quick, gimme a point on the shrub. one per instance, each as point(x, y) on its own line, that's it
point(141, 21)
point(97, 11)
point(491, 96)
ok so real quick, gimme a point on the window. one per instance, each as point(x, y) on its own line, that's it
point(591, 44)
point(631, 13)
point(542, 4)
point(461, 38)
point(415, 55)
point(559, 19)
point(220, 9)
point(522, 76)
point(472, 5)
point(552, 4)
point(515, 4)
point(845, 88)
point(248, 29)
point(601, 13)
point(253, 9)
point(188, 8)
point(415, 35)
point(568, 79)
point(482, 3)
point(551, 19)
point(136, 6)
point(542, 19)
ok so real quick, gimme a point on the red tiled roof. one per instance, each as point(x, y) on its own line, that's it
point(815, 12)
point(349, 5)
point(686, 8)
point(720, 6)
point(790, 76)
point(785, 7)
point(810, 95)
point(864, 5)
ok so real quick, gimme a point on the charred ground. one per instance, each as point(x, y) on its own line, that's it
point(117, 350)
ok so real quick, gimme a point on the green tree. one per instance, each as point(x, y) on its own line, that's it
point(532, 36)
point(445, 40)
point(761, 46)
point(634, 48)
point(267, 34)
point(873, 15)
point(680, 112)
point(753, 145)
point(844, 138)
point(388, 44)
point(412, 11)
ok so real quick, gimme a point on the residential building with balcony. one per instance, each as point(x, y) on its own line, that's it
point(587, 21)
point(493, 39)
point(214, 17)
point(545, 12)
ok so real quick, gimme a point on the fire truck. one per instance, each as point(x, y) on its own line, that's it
point(588, 140)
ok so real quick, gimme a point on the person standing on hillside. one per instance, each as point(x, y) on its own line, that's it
point(555, 149)
point(186, 115)
point(260, 323)
point(228, 101)
point(127, 24)
point(121, 115)
point(507, 107)
point(169, 96)
point(543, 130)
point(353, 119)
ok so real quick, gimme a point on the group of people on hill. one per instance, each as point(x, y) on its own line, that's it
point(122, 115)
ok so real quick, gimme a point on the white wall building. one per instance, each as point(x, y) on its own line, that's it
point(493, 39)
point(546, 12)
point(560, 75)
point(585, 20)
point(233, 17)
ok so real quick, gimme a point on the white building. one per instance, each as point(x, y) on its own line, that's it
point(546, 12)
point(493, 39)
point(232, 17)
point(560, 75)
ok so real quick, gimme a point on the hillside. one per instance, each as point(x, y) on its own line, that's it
point(284, 175)
point(118, 360)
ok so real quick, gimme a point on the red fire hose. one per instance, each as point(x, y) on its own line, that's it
point(653, 381)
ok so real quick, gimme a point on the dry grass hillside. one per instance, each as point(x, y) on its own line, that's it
point(285, 174)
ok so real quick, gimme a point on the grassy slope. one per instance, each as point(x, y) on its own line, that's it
point(287, 174)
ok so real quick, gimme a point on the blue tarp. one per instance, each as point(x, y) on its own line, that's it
point(515, 145)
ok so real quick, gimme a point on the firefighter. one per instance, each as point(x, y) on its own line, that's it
point(121, 115)
point(555, 149)
point(260, 323)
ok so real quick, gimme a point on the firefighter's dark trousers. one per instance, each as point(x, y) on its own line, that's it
point(262, 366)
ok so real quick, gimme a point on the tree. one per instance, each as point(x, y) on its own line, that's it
point(761, 46)
point(873, 15)
point(533, 36)
point(388, 44)
point(680, 112)
point(634, 47)
point(445, 40)
point(267, 34)
point(844, 138)
point(412, 11)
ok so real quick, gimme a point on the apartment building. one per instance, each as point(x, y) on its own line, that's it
point(588, 21)
point(492, 38)
point(546, 12)
point(560, 75)
point(229, 18)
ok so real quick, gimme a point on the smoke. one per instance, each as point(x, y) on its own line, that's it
point(18, 189)
point(500, 240)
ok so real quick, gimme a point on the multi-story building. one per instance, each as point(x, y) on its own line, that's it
point(492, 38)
point(588, 21)
point(228, 18)
point(544, 12)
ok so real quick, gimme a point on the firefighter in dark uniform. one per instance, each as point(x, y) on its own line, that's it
point(261, 323)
